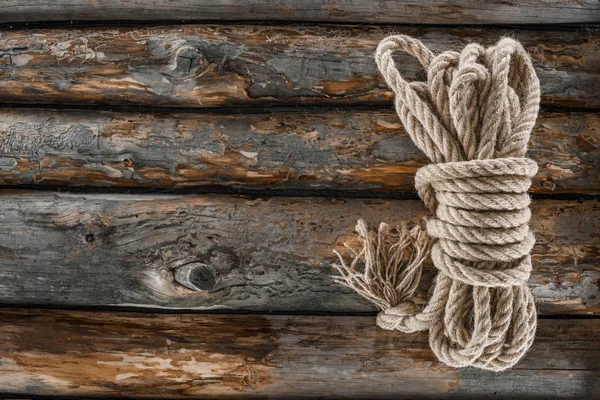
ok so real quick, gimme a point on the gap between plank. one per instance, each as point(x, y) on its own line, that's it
point(265, 193)
point(184, 311)
point(65, 24)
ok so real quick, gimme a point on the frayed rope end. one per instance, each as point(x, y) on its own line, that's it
point(387, 269)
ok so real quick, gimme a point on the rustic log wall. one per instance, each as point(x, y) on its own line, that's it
point(261, 254)
point(295, 106)
point(337, 150)
point(257, 65)
point(70, 353)
point(380, 11)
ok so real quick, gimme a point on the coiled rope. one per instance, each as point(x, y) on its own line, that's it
point(472, 119)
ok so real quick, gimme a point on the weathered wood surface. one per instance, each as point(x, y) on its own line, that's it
point(246, 65)
point(381, 11)
point(263, 254)
point(339, 150)
point(49, 352)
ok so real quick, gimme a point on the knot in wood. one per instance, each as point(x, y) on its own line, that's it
point(196, 276)
point(189, 60)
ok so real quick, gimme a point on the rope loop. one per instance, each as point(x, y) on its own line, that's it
point(472, 118)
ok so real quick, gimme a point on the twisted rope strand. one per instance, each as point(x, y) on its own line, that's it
point(472, 119)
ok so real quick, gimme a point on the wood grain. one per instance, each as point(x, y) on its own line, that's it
point(382, 11)
point(337, 150)
point(66, 353)
point(265, 254)
point(256, 65)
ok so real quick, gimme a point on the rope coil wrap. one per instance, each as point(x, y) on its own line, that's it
point(472, 118)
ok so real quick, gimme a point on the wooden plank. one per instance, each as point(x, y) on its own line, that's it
point(100, 354)
point(261, 254)
point(338, 150)
point(383, 11)
point(255, 65)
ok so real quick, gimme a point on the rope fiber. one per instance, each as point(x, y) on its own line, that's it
point(472, 118)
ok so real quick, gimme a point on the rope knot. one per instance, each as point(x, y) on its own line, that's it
point(398, 317)
point(481, 221)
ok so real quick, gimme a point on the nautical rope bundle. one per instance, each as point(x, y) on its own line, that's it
point(472, 118)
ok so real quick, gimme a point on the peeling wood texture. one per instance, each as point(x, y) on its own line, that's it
point(338, 150)
point(256, 65)
point(381, 11)
point(290, 107)
point(263, 254)
point(66, 353)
